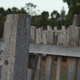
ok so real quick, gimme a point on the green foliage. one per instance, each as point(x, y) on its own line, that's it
point(30, 8)
point(42, 20)
point(74, 8)
point(3, 14)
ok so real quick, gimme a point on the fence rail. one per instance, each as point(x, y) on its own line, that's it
point(19, 58)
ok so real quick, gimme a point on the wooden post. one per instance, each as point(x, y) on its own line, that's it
point(38, 41)
point(49, 27)
point(59, 63)
point(55, 36)
point(49, 58)
point(16, 50)
point(76, 20)
point(71, 70)
point(64, 36)
point(31, 62)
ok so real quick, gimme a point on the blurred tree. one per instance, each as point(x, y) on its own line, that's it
point(44, 19)
point(55, 19)
point(30, 8)
point(3, 14)
point(74, 8)
point(62, 16)
point(15, 10)
point(36, 21)
point(55, 15)
point(22, 11)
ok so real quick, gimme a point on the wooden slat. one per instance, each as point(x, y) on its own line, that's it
point(71, 69)
point(39, 41)
point(39, 67)
point(49, 67)
point(31, 61)
point(59, 65)
point(55, 50)
point(78, 70)
point(49, 58)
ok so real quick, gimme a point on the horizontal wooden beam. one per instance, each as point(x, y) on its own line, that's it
point(55, 50)
point(52, 50)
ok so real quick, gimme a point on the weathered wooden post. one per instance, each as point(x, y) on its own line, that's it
point(49, 58)
point(38, 41)
point(59, 62)
point(16, 38)
point(31, 62)
point(71, 70)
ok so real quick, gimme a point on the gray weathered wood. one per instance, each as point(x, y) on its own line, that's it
point(39, 67)
point(49, 58)
point(74, 36)
point(79, 37)
point(78, 70)
point(59, 65)
point(76, 20)
point(59, 61)
point(39, 41)
point(1, 46)
point(0, 71)
point(49, 27)
point(56, 36)
point(16, 50)
point(71, 69)
point(31, 62)
point(55, 50)
point(49, 67)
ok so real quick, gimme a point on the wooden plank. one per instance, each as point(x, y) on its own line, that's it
point(76, 20)
point(55, 50)
point(31, 61)
point(59, 65)
point(74, 35)
point(39, 41)
point(1, 46)
point(39, 67)
point(49, 67)
point(49, 58)
point(55, 36)
point(0, 71)
point(79, 37)
point(70, 51)
point(16, 38)
point(78, 70)
point(71, 69)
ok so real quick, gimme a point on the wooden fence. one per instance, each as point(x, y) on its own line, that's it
point(19, 59)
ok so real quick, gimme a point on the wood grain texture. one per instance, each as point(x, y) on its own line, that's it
point(71, 71)
point(49, 58)
point(78, 69)
point(39, 67)
point(59, 65)
point(55, 50)
point(16, 51)
point(74, 36)
point(39, 41)
point(49, 67)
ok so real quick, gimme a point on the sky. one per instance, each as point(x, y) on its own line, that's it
point(42, 5)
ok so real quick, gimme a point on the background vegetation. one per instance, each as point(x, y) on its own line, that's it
point(43, 19)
